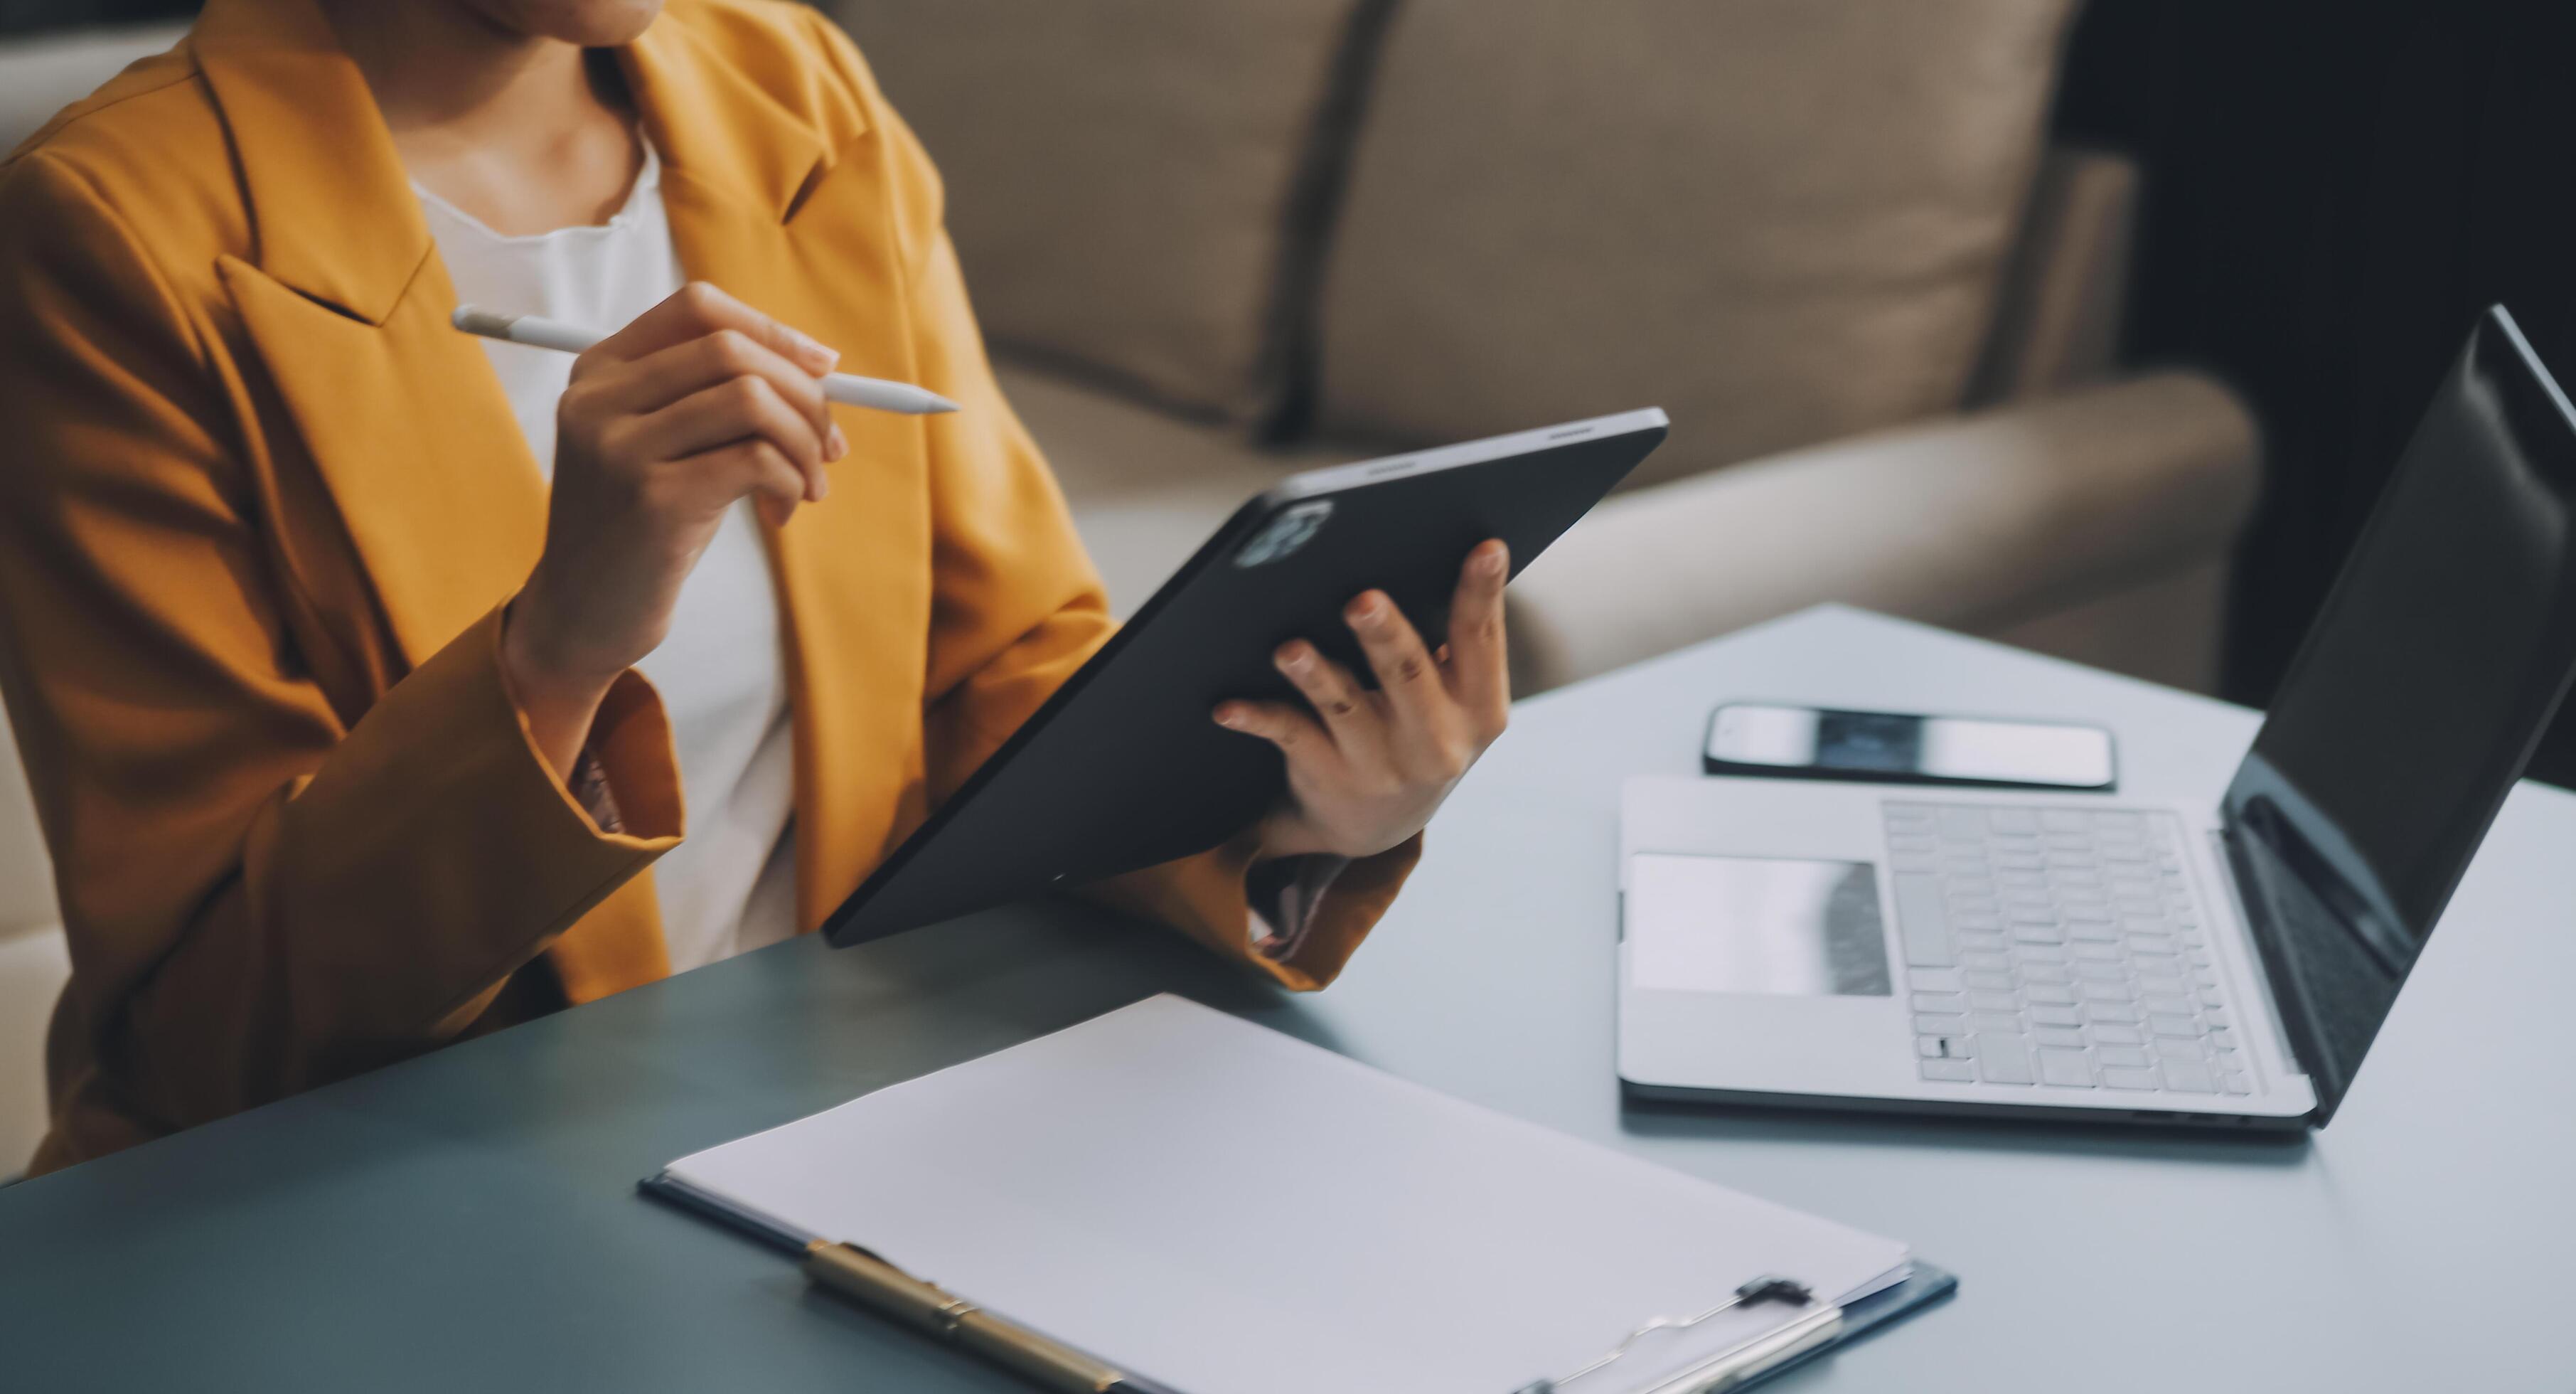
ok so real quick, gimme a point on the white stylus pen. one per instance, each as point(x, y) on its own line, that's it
point(849, 389)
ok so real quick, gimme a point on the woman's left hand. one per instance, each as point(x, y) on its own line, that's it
point(1367, 769)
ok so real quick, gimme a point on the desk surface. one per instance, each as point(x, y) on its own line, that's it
point(468, 1220)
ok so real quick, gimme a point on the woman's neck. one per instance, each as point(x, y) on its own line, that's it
point(527, 134)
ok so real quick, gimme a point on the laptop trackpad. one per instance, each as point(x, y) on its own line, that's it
point(1763, 925)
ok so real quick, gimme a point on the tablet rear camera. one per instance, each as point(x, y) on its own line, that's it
point(1285, 534)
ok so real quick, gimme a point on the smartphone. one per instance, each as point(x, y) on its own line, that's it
point(1782, 742)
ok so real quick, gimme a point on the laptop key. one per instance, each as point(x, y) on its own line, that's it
point(2235, 1084)
point(2056, 1038)
point(1937, 1001)
point(2190, 1076)
point(2043, 1014)
point(2003, 1059)
point(1955, 1071)
point(2130, 1079)
point(1994, 1023)
point(2113, 1033)
point(1936, 1025)
point(2065, 1067)
point(2126, 1057)
point(1923, 921)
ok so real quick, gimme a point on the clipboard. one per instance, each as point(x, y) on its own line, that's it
point(1807, 1330)
point(1169, 1200)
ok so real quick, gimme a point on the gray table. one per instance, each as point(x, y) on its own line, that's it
point(468, 1220)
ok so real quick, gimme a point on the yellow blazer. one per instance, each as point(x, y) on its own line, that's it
point(260, 507)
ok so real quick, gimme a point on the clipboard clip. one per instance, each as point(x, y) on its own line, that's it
point(1734, 1366)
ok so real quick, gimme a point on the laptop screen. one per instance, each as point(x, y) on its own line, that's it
point(2419, 694)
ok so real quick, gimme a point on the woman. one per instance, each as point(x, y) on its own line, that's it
point(361, 667)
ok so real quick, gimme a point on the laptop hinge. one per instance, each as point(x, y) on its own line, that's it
point(2288, 1021)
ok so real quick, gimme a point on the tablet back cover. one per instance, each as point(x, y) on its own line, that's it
point(1124, 768)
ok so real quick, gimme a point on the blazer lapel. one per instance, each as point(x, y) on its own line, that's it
point(401, 415)
point(759, 207)
point(347, 306)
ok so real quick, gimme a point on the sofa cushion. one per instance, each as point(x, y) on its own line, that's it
point(1131, 183)
point(1781, 220)
point(40, 76)
point(1146, 487)
point(26, 873)
point(1978, 522)
point(34, 965)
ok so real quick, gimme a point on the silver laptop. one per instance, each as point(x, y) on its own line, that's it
point(2081, 956)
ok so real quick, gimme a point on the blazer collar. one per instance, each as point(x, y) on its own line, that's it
point(333, 210)
point(718, 129)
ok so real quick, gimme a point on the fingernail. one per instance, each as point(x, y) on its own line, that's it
point(1293, 658)
point(822, 486)
point(814, 348)
point(1369, 608)
point(1225, 716)
point(839, 445)
point(1496, 557)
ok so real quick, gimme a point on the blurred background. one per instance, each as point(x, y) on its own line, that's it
point(2089, 327)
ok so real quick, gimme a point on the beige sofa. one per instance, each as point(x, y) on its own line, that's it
point(1212, 243)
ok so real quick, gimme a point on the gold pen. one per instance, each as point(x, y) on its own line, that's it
point(862, 1276)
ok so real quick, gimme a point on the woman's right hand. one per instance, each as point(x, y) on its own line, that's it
point(700, 401)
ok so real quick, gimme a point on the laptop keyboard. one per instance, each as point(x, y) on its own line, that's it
point(2057, 946)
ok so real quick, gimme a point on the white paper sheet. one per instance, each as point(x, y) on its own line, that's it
point(1232, 1211)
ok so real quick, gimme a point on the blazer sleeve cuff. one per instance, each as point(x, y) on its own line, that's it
point(1207, 898)
point(518, 861)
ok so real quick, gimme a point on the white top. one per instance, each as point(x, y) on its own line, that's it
point(730, 885)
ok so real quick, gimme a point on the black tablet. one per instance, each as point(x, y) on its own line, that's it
point(1123, 768)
